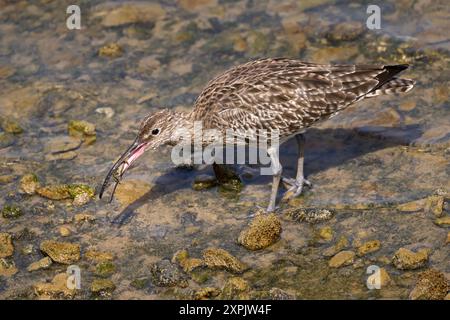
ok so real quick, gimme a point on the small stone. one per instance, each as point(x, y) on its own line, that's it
point(10, 126)
point(107, 111)
point(405, 259)
point(326, 233)
point(64, 231)
point(139, 283)
point(105, 269)
point(279, 294)
point(7, 178)
point(228, 180)
point(81, 199)
point(188, 264)
point(369, 247)
point(29, 183)
point(11, 212)
point(341, 244)
point(27, 249)
point(432, 285)
point(129, 191)
point(6, 140)
point(62, 252)
point(235, 288)
point(443, 221)
point(55, 289)
point(216, 258)
point(206, 293)
point(6, 245)
point(69, 155)
point(412, 206)
point(132, 13)
point(62, 144)
point(7, 268)
point(448, 238)
point(98, 256)
point(54, 192)
point(82, 129)
point(83, 217)
point(112, 50)
point(166, 274)
point(345, 31)
point(44, 263)
point(383, 278)
point(263, 231)
point(341, 259)
point(308, 215)
point(102, 287)
point(203, 182)
point(434, 204)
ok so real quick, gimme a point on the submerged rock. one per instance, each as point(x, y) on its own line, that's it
point(308, 215)
point(341, 244)
point(44, 263)
point(64, 231)
point(345, 31)
point(62, 252)
point(102, 287)
point(235, 288)
point(98, 256)
point(435, 204)
point(432, 285)
point(341, 259)
point(83, 217)
point(206, 293)
point(263, 231)
point(216, 258)
point(54, 192)
point(369, 247)
point(57, 288)
point(405, 259)
point(105, 269)
point(443, 221)
point(203, 182)
point(326, 233)
point(131, 13)
point(166, 274)
point(10, 126)
point(7, 268)
point(131, 190)
point(62, 144)
point(6, 245)
point(279, 294)
point(112, 50)
point(6, 139)
point(383, 278)
point(11, 212)
point(29, 183)
point(228, 180)
point(80, 193)
point(188, 264)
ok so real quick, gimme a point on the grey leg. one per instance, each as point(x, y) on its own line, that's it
point(277, 169)
point(295, 187)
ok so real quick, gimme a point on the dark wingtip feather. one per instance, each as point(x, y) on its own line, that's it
point(389, 72)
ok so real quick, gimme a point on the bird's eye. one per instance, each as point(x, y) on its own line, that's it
point(155, 132)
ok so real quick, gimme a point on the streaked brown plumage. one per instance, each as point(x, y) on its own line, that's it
point(273, 94)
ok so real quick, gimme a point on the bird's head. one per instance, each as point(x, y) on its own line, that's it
point(156, 130)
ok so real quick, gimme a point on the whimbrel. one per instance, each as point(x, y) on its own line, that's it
point(283, 94)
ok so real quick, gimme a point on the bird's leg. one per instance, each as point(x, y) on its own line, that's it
point(276, 169)
point(295, 187)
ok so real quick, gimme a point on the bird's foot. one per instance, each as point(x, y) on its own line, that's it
point(294, 187)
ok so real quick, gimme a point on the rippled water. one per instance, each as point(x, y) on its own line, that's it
point(363, 162)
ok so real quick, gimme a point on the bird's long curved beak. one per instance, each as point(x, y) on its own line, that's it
point(121, 165)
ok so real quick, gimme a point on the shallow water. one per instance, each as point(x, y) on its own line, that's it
point(362, 163)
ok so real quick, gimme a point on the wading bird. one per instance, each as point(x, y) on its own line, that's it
point(272, 94)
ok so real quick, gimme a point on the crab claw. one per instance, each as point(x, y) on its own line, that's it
point(121, 165)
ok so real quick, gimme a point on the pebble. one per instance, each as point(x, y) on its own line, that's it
point(55, 289)
point(369, 247)
point(309, 215)
point(98, 256)
point(6, 245)
point(7, 268)
point(105, 269)
point(216, 258)
point(235, 288)
point(11, 212)
point(64, 231)
point(206, 293)
point(83, 217)
point(345, 31)
point(405, 259)
point(341, 259)
point(62, 252)
point(131, 13)
point(10, 126)
point(29, 183)
point(107, 111)
point(188, 264)
point(44, 263)
point(443, 221)
point(432, 285)
point(166, 274)
point(326, 233)
point(102, 287)
point(263, 231)
point(111, 50)
point(131, 190)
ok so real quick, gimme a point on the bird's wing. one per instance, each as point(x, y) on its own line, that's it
point(284, 94)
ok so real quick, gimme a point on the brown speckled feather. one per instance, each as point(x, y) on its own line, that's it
point(289, 95)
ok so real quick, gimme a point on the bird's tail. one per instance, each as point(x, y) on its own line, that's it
point(395, 85)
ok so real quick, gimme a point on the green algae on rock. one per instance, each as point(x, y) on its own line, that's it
point(369, 247)
point(112, 50)
point(235, 288)
point(432, 285)
point(188, 264)
point(216, 258)
point(6, 245)
point(11, 212)
point(82, 129)
point(105, 269)
point(102, 287)
point(10, 126)
point(204, 182)
point(62, 252)
point(29, 183)
point(44, 263)
point(166, 274)
point(310, 215)
point(80, 193)
point(98, 256)
point(405, 259)
point(263, 231)
point(206, 293)
point(229, 181)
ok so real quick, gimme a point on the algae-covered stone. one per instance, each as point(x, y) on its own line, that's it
point(54, 192)
point(308, 215)
point(435, 204)
point(7, 268)
point(345, 31)
point(369, 247)
point(443, 221)
point(216, 258)
point(263, 231)
point(166, 274)
point(279, 294)
point(131, 13)
point(412, 206)
point(11, 212)
point(80, 193)
point(341, 244)
point(235, 288)
point(82, 129)
point(382, 278)
point(188, 264)
point(111, 50)
point(83, 217)
point(206, 293)
point(10, 126)
point(44, 263)
point(62, 252)
point(228, 180)
point(131, 190)
point(432, 285)
point(29, 183)
point(203, 182)
point(405, 259)
point(57, 288)
point(6, 245)
point(105, 269)
point(326, 233)
point(64, 231)
point(341, 259)
point(102, 287)
point(98, 256)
